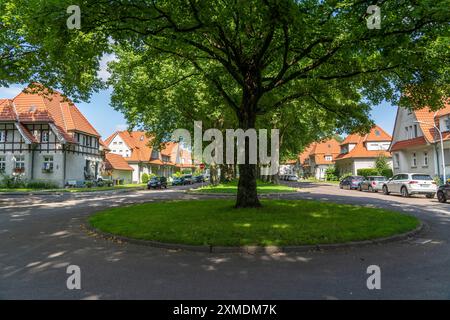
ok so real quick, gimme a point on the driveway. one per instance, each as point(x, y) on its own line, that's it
point(41, 235)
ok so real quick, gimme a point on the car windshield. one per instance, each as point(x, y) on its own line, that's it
point(358, 178)
point(421, 177)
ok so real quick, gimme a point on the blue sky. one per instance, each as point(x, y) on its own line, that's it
point(106, 120)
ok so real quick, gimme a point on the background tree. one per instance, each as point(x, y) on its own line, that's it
point(256, 55)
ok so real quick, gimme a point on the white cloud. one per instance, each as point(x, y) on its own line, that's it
point(10, 92)
point(103, 72)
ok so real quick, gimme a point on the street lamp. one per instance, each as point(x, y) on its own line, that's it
point(442, 145)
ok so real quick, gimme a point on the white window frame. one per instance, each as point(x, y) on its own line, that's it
point(396, 160)
point(45, 136)
point(2, 135)
point(425, 159)
point(2, 164)
point(328, 158)
point(47, 164)
point(20, 161)
point(414, 160)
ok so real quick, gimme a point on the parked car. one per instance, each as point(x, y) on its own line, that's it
point(372, 184)
point(443, 193)
point(157, 183)
point(291, 177)
point(351, 182)
point(199, 178)
point(188, 179)
point(178, 181)
point(411, 183)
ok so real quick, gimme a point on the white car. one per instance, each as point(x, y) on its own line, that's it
point(291, 177)
point(411, 183)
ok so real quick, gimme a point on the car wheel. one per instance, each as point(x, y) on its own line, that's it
point(430, 196)
point(441, 197)
point(404, 192)
point(385, 190)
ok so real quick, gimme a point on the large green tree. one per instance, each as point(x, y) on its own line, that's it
point(256, 55)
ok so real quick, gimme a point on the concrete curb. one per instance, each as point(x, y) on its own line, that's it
point(255, 249)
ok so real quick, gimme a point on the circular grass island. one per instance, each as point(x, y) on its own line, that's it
point(276, 223)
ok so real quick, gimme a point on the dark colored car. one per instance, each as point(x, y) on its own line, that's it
point(199, 178)
point(443, 193)
point(188, 179)
point(351, 182)
point(157, 183)
point(178, 181)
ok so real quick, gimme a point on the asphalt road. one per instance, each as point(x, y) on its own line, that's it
point(41, 235)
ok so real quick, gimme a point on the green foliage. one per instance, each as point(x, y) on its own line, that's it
point(382, 163)
point(88, 184)
point(186, 171)
point(18, 182)
point(332, 174)
point(345, 175)
point(177, 174)
point(388, 173)
point(365, 172)
point(144, 178)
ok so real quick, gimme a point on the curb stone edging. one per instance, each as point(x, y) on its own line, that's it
point(255, 249)
point(60, 193)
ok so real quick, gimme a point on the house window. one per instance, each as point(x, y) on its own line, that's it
point(397, 160)
point(407, 132)
point(414, 160)
point(115, 142)
point(19, 165)
point(2, 164)
point(447, 124)
point(415, 131)
point(425, 159)
point(328, 158)
point(3, 136)
point(155, 154)
point(45, 136)
point(47, 166)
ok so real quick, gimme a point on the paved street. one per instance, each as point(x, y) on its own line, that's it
point(41, 235)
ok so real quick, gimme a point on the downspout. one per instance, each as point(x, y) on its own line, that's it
point(32, 161)
point(64, 164)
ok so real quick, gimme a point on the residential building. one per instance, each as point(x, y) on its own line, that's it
point(118, 169)
point(44, 137)
point(317, 158)
point(361, 151)
point(135, 147)
point(416, 145)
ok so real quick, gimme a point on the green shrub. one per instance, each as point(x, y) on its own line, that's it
point(332, 174)
point(145, 178)
point(186, 171)
point(13, 182)
point(177, 174)
point(41, 185)
point(365, 172)
point(388, 173)
point(88, 184)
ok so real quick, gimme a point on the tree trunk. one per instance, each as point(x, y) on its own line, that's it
point(213, 174)
point(247, 196)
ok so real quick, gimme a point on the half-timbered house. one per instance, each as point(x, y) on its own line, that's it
point(44, 137)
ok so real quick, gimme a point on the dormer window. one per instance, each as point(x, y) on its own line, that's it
point(377, 133)
point(32, 108)
point(328, 158)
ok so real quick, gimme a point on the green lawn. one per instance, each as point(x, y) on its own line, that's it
point(231, 187)
point(76, 190)
point(278, 222)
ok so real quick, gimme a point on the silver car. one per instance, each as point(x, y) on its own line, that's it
point(372, 184)
point(411, 183)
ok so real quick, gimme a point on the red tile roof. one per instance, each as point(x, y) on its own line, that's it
point(427, 118)
point(141, 150)
point(49, 106)
point(116, 162)
point(318, 151)
point(376, 134)
point(6, 110)
point(408, 143)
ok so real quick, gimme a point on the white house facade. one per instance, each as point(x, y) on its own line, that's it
point(416, 144)
point(44, 137)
